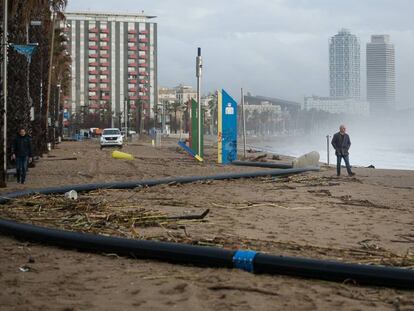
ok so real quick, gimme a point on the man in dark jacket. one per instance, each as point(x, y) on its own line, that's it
point(342, 143)
point(22, 153)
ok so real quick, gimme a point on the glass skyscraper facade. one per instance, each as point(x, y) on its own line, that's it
point(344, 65)
point(381, 73)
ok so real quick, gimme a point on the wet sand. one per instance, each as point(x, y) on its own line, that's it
point(364, 219)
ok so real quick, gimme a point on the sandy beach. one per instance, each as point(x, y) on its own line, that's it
point(367, 219)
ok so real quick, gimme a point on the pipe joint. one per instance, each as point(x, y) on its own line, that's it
point(244, 260)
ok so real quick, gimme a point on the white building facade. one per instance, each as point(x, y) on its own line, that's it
point(337, 105)
point(114, 62)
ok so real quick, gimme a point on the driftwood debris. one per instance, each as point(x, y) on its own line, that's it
point(60, 159)
point(261, 158)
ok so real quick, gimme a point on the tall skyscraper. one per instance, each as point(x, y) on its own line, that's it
point(344, 65)
point(381, 73)
point(114, 63)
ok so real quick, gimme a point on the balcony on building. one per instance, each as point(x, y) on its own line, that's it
point(105, 89)
point(132, 89)
point(143, 57)
point(132, 32)
point(93, 89)
point(143, 48)
point(134, 73)
point(105, 47)
point(93, 97)
point(93, 63)
point(93, 105)
point(104, 30)
point(132, 64)
point(133, 106)
point(144, 97)
point(106, 97)
point(132, 81)
point(132, 40)
point(143, 65)
point(104, 64)
point(93, 47)
point(105, 39)
point(94, 39)
point(93, 80)
point(105, 72)
point(133, 56)
point(143, 81)
point(144, 40)
point(104, 80)
point(144, 32)
point(93, 72)
point(93, 55)
point(94, 30)
point(132, 48)
point(105, 55)
point(133, 97)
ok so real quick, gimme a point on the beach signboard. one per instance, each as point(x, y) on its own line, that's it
point(227, 128)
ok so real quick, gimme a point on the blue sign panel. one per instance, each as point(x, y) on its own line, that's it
point(228, 128)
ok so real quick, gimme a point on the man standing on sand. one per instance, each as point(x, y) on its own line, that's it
point(342, 143)
point(22, 153)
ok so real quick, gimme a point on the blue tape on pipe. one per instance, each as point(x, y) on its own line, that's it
point(243, 259)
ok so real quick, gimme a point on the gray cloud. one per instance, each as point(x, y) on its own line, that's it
point(277, 48)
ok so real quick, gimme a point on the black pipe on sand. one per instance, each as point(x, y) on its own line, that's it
point(199, 255)
point(262, 164)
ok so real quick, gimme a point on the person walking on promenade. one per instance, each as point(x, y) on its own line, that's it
point(22, 153)
point(341, 143)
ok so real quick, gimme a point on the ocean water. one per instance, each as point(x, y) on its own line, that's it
point(396, 152)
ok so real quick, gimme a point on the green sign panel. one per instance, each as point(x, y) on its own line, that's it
point(194, 129)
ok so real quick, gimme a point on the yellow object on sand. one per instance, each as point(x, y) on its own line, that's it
point(122, 155)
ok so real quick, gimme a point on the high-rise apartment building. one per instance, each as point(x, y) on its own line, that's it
point(344, 65)
point(381, 73)
point(114, 63)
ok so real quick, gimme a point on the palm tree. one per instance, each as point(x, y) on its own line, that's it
point(21, 12)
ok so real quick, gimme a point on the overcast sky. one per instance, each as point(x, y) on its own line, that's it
point(275, 48)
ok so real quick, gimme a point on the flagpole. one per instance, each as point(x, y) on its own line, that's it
point(5, 6)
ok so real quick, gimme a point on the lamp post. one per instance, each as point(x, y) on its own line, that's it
point(5, 42)
point(199, 66)
point(126, 116)
point(50, 75)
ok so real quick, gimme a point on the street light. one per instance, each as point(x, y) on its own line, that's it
point(5, 43)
